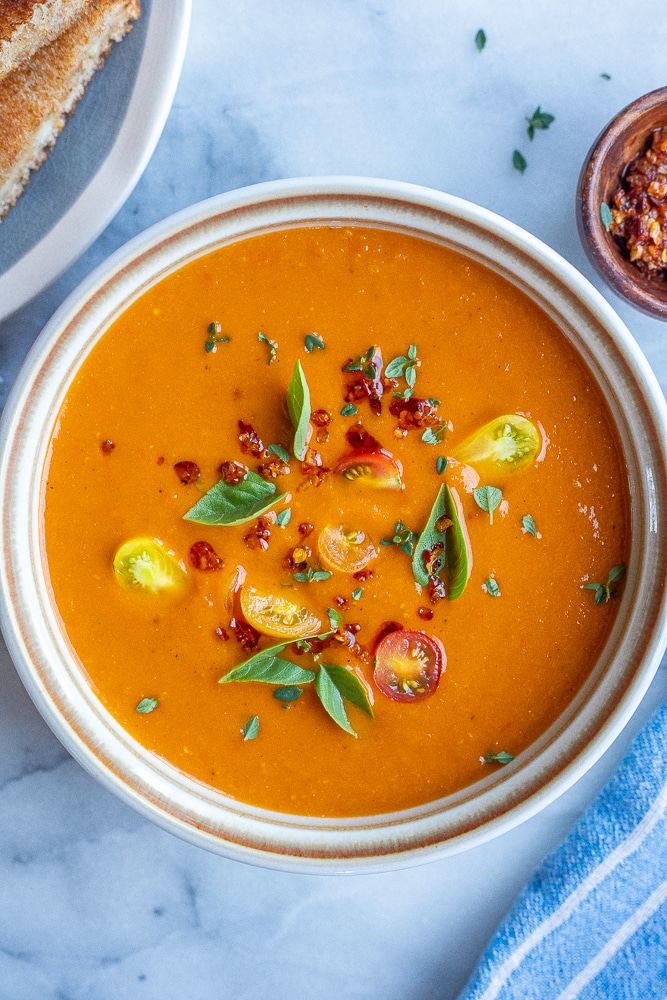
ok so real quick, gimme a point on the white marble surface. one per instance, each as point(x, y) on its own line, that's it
point(96, 903)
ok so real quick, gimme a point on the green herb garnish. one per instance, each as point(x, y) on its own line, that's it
point(435, 434)
point(492, 588)
point(335, 618)
point(312, 341)
point(362, 364)
point(212, 338)
point(282, 453)
point(284, 517)
point(605, 215)
point(440, 464)
point(289, 693)
point(603, 591)
point(519, 161)
point(356, 594)
point(605, 76)
point(348, 410)
point(235, 503)
point(403, 537)
point(488, 498)
point(312, 575)
point(528, 525)
point(502, 757)
point(540, 120)
point(405, 367)
point(147, 705)
point(271, 344)
point(480, 39)
point(298, 407)
point(442, 545)
point(251, 728)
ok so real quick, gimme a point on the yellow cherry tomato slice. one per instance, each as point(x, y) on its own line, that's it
point(276, 616)
point(144, 564)
point(408, 665)
point(346, 551)
point(506, 445)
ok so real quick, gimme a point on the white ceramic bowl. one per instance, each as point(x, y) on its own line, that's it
point(199, 814)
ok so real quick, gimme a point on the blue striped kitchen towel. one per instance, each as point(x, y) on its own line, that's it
point(592, 922)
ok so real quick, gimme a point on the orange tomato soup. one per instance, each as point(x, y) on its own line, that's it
point(519, 640)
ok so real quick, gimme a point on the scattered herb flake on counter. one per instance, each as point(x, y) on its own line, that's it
point(540, 120)
point(480, 39)
point(519, 161)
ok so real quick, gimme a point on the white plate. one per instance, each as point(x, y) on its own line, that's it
point(99, 156)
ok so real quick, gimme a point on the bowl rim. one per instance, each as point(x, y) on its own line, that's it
point(180, 805)
point(600, 246)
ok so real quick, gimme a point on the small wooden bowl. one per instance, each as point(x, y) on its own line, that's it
point(622, 139)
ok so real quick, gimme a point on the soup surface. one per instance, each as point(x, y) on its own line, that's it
point(454, 598)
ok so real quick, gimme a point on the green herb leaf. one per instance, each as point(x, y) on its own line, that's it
point(282, 453)
point(403, 537)
point(616, 573)
point(519, 161)
point(499, 758)
point(235, 503)
point(605, 76)
point(356, 594)
point(605, 591)
point(440, 464)
point(272, 345)
point(147, 705)
point(435, 434)
point(289, 693)
point(298, 406)
point(488, 498)
point(284, 517)
point(396, 367)
point(251, 728)
point(348, 410)
point(492, 588)
point(212, 338)
point(539, 120)
point(480, 39)
point(332, 700)
point(455, 555)
point(269, 668)
point(312, 341)
point(312, 575)
point(528, 525)
point(335, 618)
point(605, 215)
point(349, 686)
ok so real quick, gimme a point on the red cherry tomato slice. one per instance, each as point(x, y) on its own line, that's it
point(408, 665)
point(375, 469)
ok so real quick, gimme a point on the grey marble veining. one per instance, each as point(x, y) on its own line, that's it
point(95, 902)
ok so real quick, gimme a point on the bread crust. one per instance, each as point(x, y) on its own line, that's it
point(36, 100)
point(26, 25)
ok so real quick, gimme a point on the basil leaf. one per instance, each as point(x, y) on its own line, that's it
point(332, 700)
point(282, 453)
point(251, 728)
point(349, 686)
point(298, 406)
point(456, 556)
point(234, 503)
point(289, 693)
point(269, 668)
point(488, 498)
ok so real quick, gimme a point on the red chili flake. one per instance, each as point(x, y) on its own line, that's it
point(222, 633)
point(443, 523)
point(187, 472)
point(436, 590)
point(250, 441)
point(414, 412)
point(367, 384)
point(426, 614)
point(322, 436)
point(305, 529)
point(385, 629)
point(639, 208)
point(360, 440)
point(246, 636)
point(160, 460)
point(204, 557)
point(433, 559)
point(340, 602)
point(314, 475)
point(107, 446)
point(232, 472)
point(363, 575)
point(321, 418)
point(273, 467)
point(259, 535)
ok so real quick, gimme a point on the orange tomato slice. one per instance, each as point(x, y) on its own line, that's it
point(343, 550)
point(375, 469)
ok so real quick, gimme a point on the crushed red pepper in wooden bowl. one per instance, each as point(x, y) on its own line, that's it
point(639, 208)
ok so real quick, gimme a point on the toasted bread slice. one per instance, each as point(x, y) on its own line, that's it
point(35, 100)
point(26, 25)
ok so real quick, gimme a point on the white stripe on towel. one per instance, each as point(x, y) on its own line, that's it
point(559, 916)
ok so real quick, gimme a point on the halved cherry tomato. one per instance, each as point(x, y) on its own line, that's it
point(376, 469)
point(277, 616)
point(507, 444)
point(145, 564)
point(343, 550)
point(408, 665)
